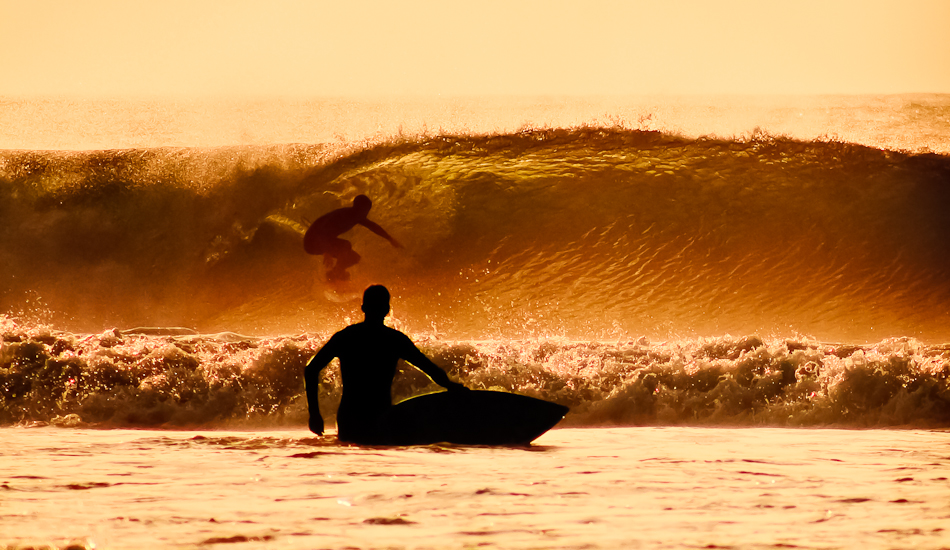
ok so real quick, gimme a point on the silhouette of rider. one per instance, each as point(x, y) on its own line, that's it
point(323, 237)
point(368, 352)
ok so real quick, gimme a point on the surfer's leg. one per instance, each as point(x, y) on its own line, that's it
point(348, 259)
point(345, 257)
point(314, 243)
point(337, 275)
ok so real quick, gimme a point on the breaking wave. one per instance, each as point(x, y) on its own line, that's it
point(172, 378)
point(600, 268)
point(585, 233)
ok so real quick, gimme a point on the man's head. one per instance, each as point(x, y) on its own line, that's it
point(362, 204)
point(376, 301)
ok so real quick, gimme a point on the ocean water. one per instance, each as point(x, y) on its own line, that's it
point(744, 301)
point(609, 487)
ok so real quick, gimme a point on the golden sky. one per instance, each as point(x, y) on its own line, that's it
point(298, 47)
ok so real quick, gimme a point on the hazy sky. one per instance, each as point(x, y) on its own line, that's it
point(344, 47)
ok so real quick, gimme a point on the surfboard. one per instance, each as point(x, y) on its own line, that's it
point(476, 417)
point(340, 291)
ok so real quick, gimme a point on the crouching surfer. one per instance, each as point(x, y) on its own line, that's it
point(368, 353)
point(323, 237)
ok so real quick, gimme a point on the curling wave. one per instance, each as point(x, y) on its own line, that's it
point(583, 233)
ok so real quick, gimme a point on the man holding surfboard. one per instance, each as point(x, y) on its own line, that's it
point(323, 237)
point(368, 352)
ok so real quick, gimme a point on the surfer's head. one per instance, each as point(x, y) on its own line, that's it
point(376, 301)
point(362, 204)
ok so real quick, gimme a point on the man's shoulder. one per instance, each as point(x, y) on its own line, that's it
point(395, 335)
point(363, 329)
point(350, 331)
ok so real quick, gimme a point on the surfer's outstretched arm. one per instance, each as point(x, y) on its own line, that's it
point(375, 228)
point(311, 376)
point(433, 371)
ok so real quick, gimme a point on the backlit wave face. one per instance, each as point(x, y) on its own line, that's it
point(586, 233)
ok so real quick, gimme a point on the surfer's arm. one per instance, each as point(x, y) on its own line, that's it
point(375, 228)
point(433, 371)
point(311, 375)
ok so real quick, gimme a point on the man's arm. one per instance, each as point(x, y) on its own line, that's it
point(433, 371)
point(375, 228)
point(311, 376)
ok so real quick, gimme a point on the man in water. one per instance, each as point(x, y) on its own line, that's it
point(323, 237)
point(368, 352)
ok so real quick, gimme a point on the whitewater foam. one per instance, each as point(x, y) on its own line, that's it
point(148, 378)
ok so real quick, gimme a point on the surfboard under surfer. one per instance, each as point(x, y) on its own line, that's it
point(369, 352)
point(323, 237)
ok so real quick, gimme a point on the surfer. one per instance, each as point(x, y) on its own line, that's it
point(323, 237)
point(368, 352)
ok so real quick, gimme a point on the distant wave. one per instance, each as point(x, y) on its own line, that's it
point(584, 233)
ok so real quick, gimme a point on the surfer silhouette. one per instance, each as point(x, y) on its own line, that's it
point(368, 353)
point(323, 237)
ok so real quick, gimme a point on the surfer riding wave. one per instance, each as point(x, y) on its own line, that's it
point(323, 237)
